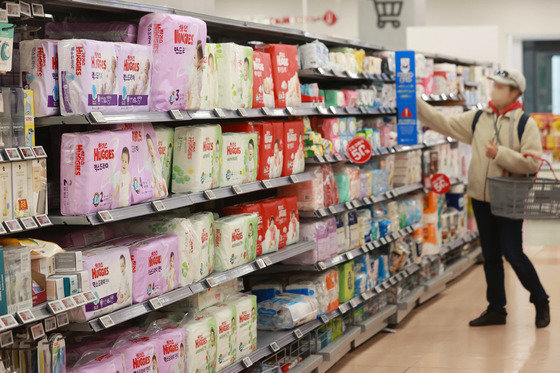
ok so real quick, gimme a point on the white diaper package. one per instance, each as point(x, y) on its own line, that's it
point(134, 68)
point(201, 336)
point(189, 243)
point(350, 219)
point(88, 76)
point(110, 276)
point(235, 76)
point(225, 316)
point(313, 55)
point(165, 137)
point(246, 310)
point(314, 289)
point(39, 72)
point(210, 93)
point(203, 224)
point(209, 297)
point(239, 158)
point(195, 157)
point(235, 240)
point(267, 290)
point(325, 281)
point(286, 311)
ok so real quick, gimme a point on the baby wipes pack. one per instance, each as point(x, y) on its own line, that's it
point(39, 72)
point(235, 76)
point(286, 311)
point(235, 240)
point(194, 157)
point(263, 84)
point(88, 76)
point(239, 158)
point(294, 158)
point(145, 164)
point(200, 333)
point(110, 276)
point(209, 93)
point(246, 310)
point(177, 44)
point(169, 345)
point(225, 316)
point(346, 281)
point(134, 69)
point(203, 224)
point(95, 171)
point(138, 355)
point(165, 137)
point(285, 70)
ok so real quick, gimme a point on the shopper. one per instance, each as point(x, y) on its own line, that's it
point(499, 135)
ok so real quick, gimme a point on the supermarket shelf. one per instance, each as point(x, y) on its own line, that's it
point(320, 74)
point(462, 265)
point(469, 237)
point(308, 365)
point(25, 224)
point(347, 256)
point(337, 349)
point(375, 324)
point(176, 295)
point(405, 306)
point(341, 207)
point(176, 201)
point(443, 98)
point(96, 118)
point(442, 58)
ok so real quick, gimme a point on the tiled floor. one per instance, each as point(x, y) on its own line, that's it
point(436, 338)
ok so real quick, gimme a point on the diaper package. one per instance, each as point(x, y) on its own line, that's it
point(313, 55)
point(203, 224)
point(235, 240)
point(246, 310)
point(39, 72)
point(235, 76)
point(267, 290)
point(200, 332)
point(314, 289)
point(95, 171)
point(346, 281)
point(145, 164)
point(286, 217)
point(169, 345)
point(110, 276)
point(314, 230)
point(188, 262)
point(194, 158)
point(110, 362)
point(264, 243)
point(350, 219)
point(88, 76)
point(270, 145)
point(263, 84)
point(138, 355)
point(134, 68)
point(343, 234)
point(239, 158)
point(285, 70)
point(210, 93)
point(177, 44)
point(286, 311)
point(310, 194)
point(165, 137)
point(106, 31)
point(294, 158)
point(225, 316)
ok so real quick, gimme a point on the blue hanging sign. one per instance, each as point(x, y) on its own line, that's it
point(407, 127)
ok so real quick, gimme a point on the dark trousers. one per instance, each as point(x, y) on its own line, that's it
point(504, 237)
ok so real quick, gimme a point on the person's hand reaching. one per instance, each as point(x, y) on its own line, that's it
point(491, 149)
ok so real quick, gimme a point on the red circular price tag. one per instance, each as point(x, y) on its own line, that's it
point(440, 184)
point(359, 150)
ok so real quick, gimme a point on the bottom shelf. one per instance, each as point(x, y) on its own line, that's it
point(374, 324)
point(336, 350)
point(309, 365)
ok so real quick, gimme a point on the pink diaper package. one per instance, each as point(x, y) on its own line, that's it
point(94, 171)
point(134, 71)
point(88, 76)
point(145, 165)
point(310, 194)
point(138, 355)
point(110, 362)
point(39, 72)
point(110, 276)
point(113, 31)
point(178, 44)
point(169, 347)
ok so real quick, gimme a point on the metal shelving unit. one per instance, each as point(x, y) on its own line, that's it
point(321, 74)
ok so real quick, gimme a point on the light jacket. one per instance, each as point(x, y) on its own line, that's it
point(510, 150)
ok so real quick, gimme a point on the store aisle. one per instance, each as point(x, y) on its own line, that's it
point(436, 338)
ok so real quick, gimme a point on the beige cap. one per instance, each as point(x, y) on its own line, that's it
point(510, 76)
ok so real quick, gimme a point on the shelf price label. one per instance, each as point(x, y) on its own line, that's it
point(359, 150)
point(274, 347)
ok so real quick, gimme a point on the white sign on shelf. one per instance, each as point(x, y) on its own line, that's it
point(155, 303)
point(158, 206)
point(267, 184)
point(219, 113)
point(63, 320)
point(332, 209)
point(38, 10)
point(56, 306)
point(3, 16)
point(209, 194)
point(267, 261)
point(242, 112)
point(9, 321)
point(294, 179)
point(274, 347)
point(37, 331)
point(6, 339)
point(237, 189)
point(2, 229)
point(26, 316)
point(105, 216)
point(28, 222)
point(50, 324)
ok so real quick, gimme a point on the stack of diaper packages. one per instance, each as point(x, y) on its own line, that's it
point(240, 153)
point(235, 240)
point(235, 76)
point(294, 157)
point(285, 72)
point(263, 82)
point(178, 45)
point(134, 70)
point(210, 87)
point(201, 343)
point(225, 315)
point(313, 55)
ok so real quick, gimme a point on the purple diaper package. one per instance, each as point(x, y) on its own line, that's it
point(95, 171)
point(145, 163)
point(39, 72)
point(178, 44)
point(105, 363)
point(138, 355)
point(104, 31)
point(88, 76)
point(134, 77)
point(110, 276)
point(315, 230)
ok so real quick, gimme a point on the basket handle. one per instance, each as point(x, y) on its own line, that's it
point(543, 161)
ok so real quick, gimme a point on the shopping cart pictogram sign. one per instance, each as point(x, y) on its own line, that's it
point(388, 11)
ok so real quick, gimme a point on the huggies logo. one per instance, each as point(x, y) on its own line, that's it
point(103, 153)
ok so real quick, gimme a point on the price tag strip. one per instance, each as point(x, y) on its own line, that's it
point(155, 303)
point(43, 220)
point(237, 189)
point(105, 216)
point(28, 223)
point(6, 339)
point(50, 324)
point(209, 194)
point(37, 331)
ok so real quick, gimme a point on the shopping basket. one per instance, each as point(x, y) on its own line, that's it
point(525, 198)
point(388, 11)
